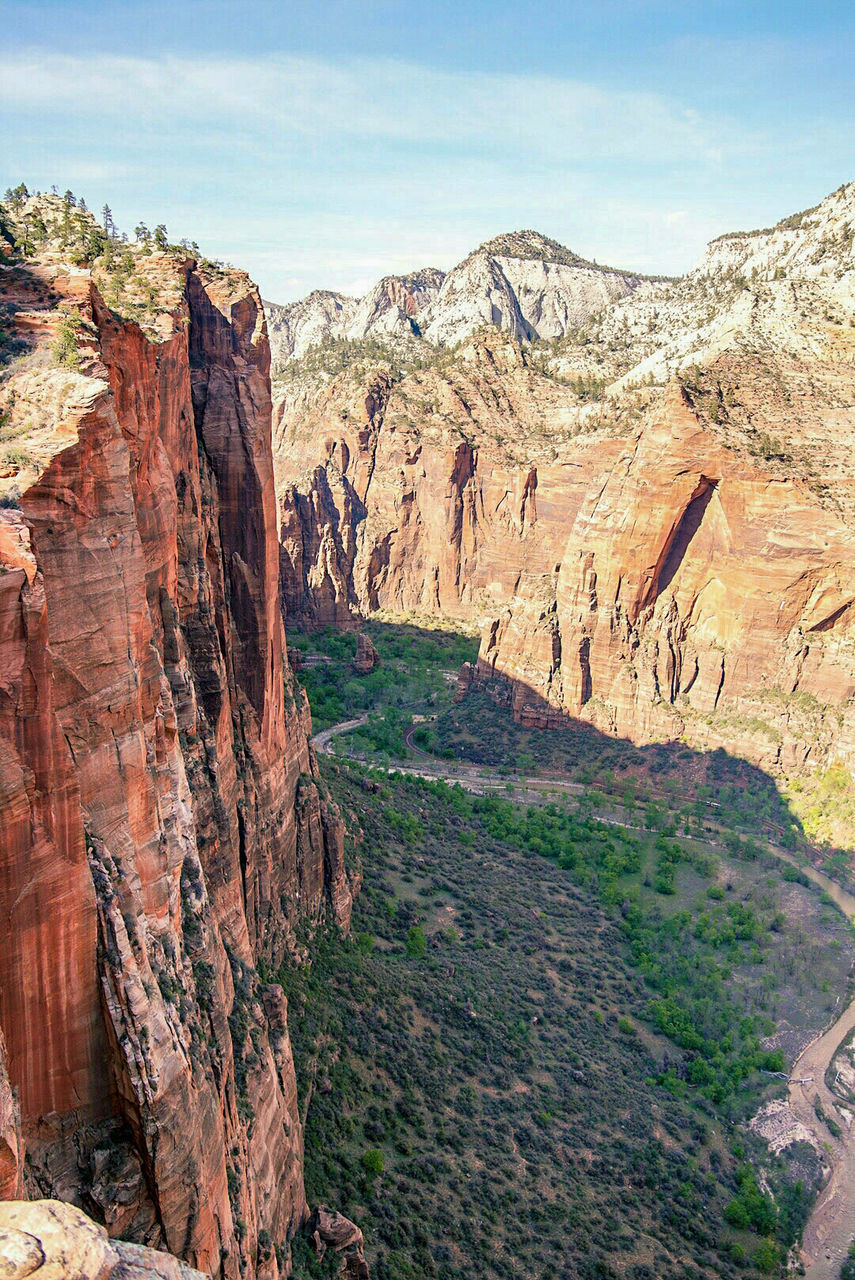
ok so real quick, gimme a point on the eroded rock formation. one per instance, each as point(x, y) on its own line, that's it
point(366, 657)
point(652, 522)
point(162, 827)
point(49, 1240)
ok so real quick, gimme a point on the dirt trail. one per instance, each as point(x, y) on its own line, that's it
point(831, 1226)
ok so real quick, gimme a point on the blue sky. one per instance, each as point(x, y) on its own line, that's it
point(323, 145)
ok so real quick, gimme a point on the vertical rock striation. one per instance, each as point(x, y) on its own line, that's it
point(162, 828)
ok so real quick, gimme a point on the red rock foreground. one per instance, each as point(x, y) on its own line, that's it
point(162, 829)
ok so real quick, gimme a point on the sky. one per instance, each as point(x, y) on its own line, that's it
point(323, 145)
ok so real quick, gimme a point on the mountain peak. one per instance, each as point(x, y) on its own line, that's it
point(530, 245)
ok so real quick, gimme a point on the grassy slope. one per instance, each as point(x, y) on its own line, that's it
point(490, 1031)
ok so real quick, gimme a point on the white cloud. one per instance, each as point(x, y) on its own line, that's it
point(312, 173)
point(560, 120)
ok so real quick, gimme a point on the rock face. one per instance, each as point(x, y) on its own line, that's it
point(366, 657)
point(653, 523)
point(162, 829)
point(49, 1240)
point(330, 1230)
point(523, 283)
point(390, 308)
point(696, 596)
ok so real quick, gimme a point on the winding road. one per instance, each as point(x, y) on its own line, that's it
point(831, 1226)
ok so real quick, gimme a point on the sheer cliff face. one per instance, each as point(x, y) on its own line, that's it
point(696, 596)
point(162, 829)
point(668, 556)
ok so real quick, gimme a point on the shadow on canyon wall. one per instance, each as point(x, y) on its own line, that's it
point(717, 787)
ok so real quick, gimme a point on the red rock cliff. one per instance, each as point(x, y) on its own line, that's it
point(161, 827)
point(651, 575)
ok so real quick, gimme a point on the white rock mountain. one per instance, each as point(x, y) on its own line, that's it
point(521, 282)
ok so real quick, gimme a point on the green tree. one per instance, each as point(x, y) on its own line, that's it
point(766, 1257)
point(372, 1162)
point(416, 942)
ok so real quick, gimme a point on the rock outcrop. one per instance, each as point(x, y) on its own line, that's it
point(652, 522)
point(390, 309)
point(522, 283)
point(49, 1240)
point(366, 657)
point(330, 1230)
point(162, 830)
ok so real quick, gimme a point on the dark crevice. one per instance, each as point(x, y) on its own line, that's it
point(242, 853)
point(687, 527)
point(585, 669)
point(833, 618)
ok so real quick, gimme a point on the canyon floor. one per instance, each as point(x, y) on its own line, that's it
point(523, 958)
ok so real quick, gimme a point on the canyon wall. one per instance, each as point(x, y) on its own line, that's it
point(650, 518)
point(162, 828)
point(696, 597)
point(657, 580)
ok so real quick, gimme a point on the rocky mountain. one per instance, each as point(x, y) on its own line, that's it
point(163, 828)
point(389, 309)
point(650, 517)
point(524, 283)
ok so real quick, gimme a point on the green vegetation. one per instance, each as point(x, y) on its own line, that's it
point(417, 667)
point(699, 790)
point(65, 344)
point(493, 1029)
point(363, 356)
point(825, 804)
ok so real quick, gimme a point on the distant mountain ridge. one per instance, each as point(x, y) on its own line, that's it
point(522, 282)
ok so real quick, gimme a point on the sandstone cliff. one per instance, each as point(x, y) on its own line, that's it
point(162, 830)
point(651, 519)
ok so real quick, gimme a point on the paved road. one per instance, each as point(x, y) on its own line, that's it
point(831, 1226)
point(322, 740)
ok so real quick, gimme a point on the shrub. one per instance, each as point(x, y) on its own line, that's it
point(372, 1162)
point(416, 942)
point(64, 348)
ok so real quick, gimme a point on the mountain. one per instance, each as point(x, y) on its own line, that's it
point(521, 282)
point(651, 517)
point(389, 309)
point(164, 833)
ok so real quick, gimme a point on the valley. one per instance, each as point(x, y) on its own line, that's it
point(427, 724)
point(734, 839)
